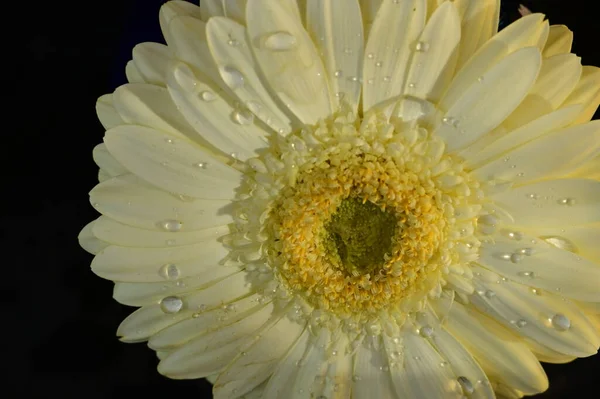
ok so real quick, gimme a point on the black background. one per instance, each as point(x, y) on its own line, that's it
point(60, 330)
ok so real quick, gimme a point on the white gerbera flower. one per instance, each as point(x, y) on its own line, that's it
point(353, 199)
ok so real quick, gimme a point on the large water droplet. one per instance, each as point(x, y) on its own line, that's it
point(208, 96)
point(561, 242)
point(170, 225)
point(489, 294)
point(521, 323)
point(422, 47)
point(232, 77)
point(561, 322)
point(242, 116)
point(171, 304)
point(426, 331)
point(169, 271)
point(185, 78)
point(516, 258)
point(465, 384)
point(280, 41)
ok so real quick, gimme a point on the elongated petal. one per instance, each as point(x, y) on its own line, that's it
point(371, 374)
point(386, 63)
point(558, 77)
point(560, 40)
point(485, 104)
point(553, 203)
point(151, 60)
point(230, 129)
point(531, 313)
point(587, 93)
point(107, 114)
point(211, 8)
point(107, 162)
point(497, 350)
point(133, 202)
point(479, 24)
point(172, 9)
point(177, 165)
point(89, 241)
point(288, 59)
point(548, 267)
point(336, 28)
point(235, 10)
point(231, 51)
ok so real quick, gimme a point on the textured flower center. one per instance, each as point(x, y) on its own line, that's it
point(360, 217)
point(358, 236)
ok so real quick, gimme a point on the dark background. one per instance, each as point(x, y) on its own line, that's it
point(60, 330)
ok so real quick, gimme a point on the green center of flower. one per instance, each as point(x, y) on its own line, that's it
point(358, 236)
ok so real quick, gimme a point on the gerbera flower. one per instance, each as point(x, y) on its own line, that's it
point(353, 199)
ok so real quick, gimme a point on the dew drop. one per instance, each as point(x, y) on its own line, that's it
point(170, 141)
point(489, 294)
point(527, 274)
point(561, 322)
point(378, 64)
point(171, 304)
point(535, 291)
point(370, 56)
point(338, 73)
point(561, 242)
point(201, 165)
point(526, 251)
point(208, 96)
point(170, 225)
point(242, 116)
point(233, 42)
point(465, 384)
point(566, 201)
point(232, 77)
point(516, 258)
point(411, 85)
point(169, 271)
point(515, 235)
point(426, 331)
point(480, 79)
point(521, 323)
point(280, 41)
point(422, 47)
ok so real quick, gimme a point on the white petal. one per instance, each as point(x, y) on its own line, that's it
point(133, 202)
point(523, 33)
point(435, 46)
point(140, 294)
point(302, 371)
point(211, 8)
point(479, 23)
point(123, 235)
point(560, 40)
point(261, 358)
point(231, 51)
point(151, 60)
point(587, 93)
point(582, 240)
point(336, 28)
point(558, 77)
point(553, 203)
point(236, 10)
point(548, 267)
point(496, 349)
point(288, 59)
point(172, 9)
point(498, 142)
point(88, 241)
point(107, 162)
point(338, 380)
point(176, 166)
point(530, 315)
point(208, 322)
point(537, 159)
point(212, 351)
point(151, 106)
point(190, 45)
point(145, 264)
point(420, 374)
point(369, 10)
point(231, 130)
point(107, 114)
point(386, 62)
point(132, 73)
point(486, 103)
point(151, 319)
point(371, 372)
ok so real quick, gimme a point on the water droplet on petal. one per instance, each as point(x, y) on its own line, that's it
point(201, 165)
point(527, 274)
point(422, 47)
point(489, 294)
point(171, 304)
point(170, 225)
point(169, 271)
point(521, 323)
point(515, 235)
point(561, 322)
point(232, 77)
point(465, 384)
point(426, 331)
point(242, 116)
point(280, 41)
point(561, 242)
point(526, 251)
point(516, 258)
point(208, 96)
point(566, 201)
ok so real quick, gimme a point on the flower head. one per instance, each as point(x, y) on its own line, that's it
point(353, 199)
